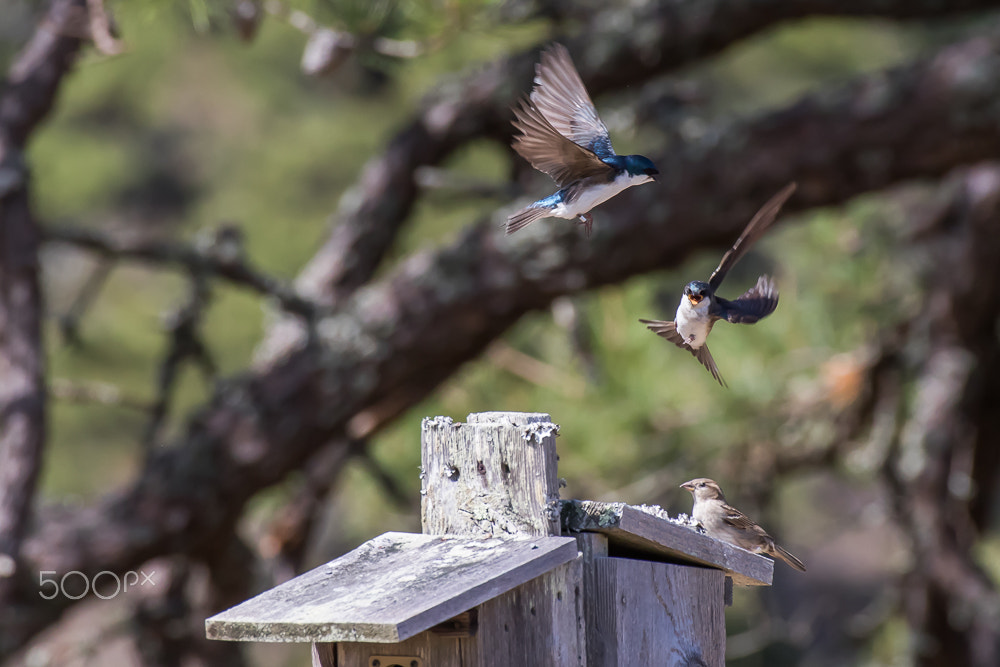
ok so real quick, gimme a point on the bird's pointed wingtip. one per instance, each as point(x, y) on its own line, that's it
point(786, 192)
point(555, 48)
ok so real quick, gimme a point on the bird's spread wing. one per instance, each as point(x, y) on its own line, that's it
point(753, 231)
point(757, 303)
point(561, 97)
point(668, 330)
point(550, 152)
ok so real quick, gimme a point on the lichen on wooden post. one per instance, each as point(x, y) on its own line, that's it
point(494, 475)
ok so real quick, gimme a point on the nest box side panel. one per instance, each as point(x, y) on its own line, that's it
point(656, 614)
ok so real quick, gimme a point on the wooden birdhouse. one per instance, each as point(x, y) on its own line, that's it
point(505, 574)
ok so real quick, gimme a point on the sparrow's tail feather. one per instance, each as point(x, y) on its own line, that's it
point(525, 217)
point(789, 558)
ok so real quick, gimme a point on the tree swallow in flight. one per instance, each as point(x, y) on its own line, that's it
point(562, 136)
point(700, 308)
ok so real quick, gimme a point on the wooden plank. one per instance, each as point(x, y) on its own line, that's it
point(656, 614)
point(391, 588)
point(494, 475)
point(651, 533)
point(464, 625)
point(592, 546)
point(324, 654)
point(537, 623)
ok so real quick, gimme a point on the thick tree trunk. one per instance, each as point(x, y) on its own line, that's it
point(949, 438)
point(25, 98)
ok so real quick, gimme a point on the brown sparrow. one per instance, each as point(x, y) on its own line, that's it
point(728, 524)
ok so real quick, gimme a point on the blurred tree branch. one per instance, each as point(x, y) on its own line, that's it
point(95, 392)
point(286, 538)
point(102, 29)
point(220, 255)
point(69, 321)
point(186, 344)
point(327, 48)
point(943, 465)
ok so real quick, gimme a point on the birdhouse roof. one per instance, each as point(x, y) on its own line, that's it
point(391, 588)
point(649, 532)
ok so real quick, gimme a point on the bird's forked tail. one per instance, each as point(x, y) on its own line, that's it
point(525, 217)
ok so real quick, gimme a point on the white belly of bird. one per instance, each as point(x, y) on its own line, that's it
point(693, 324)
point(592, 197)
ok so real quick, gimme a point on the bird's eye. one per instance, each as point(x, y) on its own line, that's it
point(701, 485)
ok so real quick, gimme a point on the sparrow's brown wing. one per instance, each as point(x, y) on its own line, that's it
point(668, 330)
point(550, 152)
point(753, 231)
point(756, 303)
point(738, 519)
point(561, 97)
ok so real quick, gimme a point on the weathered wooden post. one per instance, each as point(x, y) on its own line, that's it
point(507, 575)
point(494, 479)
